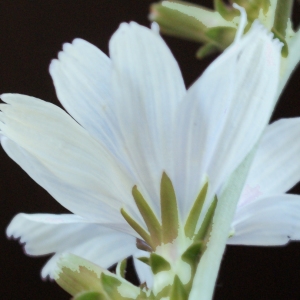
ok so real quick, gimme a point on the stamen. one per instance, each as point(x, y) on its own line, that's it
point(243, 22)
point(142, 245)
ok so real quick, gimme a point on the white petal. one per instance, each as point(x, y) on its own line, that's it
point(63, 192)
point(81, 77)
point(148, 86)
point(46, 233)
point(49, 269)
point(276, 166)
point(143, 271)
point(65, 156)
point(225, 112)
point(267, 221)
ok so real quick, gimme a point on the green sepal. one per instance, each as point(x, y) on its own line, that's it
point(110, 284)
point(253, 7)
point(149, 217)
point(77, 275)
point(145, 260)
point(193, 217)
point(121, 268)
point(192, 256)
point(283, 13)
point(158, 263)
point(90, 296)
point(206, 50)
point(204, 231)
point(193, 253)
point(169, 210)
point(221, 36)
point(164, 293)
point(226, 11)
point(136, 226)
point(178, 24)
point(285, 48)
point(178, 291)
point(265, 5)
point(82, 278)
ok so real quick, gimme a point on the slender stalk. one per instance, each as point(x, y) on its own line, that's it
point(282, 14)
point(207, 271)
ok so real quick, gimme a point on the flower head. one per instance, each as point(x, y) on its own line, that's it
point(142, 165)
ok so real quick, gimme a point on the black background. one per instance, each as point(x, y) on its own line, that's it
point(31, 34)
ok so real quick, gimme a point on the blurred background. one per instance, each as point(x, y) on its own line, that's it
point(32, 33)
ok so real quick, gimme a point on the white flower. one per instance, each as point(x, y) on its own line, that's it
point(135, 121)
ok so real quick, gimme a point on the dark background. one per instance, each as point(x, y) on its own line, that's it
point(31, 34)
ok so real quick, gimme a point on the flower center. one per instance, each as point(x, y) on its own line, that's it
point(175, 247)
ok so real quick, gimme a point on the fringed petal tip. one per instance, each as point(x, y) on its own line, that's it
point(51, 269)
point(67, 50)
point(61, 56)
point(263, 33)
point(12, 228)
point(53, 66)
point(3, 96)
point(7, 97)
point(132, 27)
point(155, 28)
point(15, 98)
point(15, 230)
point(123, 29)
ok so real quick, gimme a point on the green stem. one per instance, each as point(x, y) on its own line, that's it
point(208, 268)
point(282, 14)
